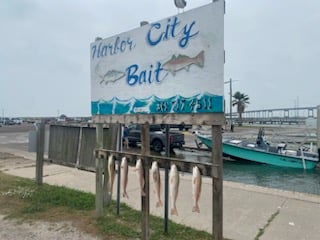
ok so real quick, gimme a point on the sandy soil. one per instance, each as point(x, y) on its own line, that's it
point(13, 229)
point(35, 230)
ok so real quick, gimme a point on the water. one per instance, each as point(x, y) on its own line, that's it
point(298, 180)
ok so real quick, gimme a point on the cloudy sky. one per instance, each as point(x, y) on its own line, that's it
point(272, 50)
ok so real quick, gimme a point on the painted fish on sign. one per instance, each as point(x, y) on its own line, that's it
point(174, 65)
point(180, 62)
point(112, 76)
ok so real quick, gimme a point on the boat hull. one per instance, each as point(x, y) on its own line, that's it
point(266, 157)
point(260, 156)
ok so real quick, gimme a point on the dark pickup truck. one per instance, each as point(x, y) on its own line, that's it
point(157, 137)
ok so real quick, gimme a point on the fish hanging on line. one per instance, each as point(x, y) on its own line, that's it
point(124, 176)
point(174, 188)
point(177, 63)
point(196, 188)
point(112, 173)
point(140, 175)
point(155, 173)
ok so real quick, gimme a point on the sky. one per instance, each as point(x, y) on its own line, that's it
point(272, 51)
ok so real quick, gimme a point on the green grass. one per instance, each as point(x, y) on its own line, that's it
point(22, 199)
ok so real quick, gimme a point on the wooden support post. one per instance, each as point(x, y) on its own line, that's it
point(99, 172)
point(118, 164)
point(145, 200)
point(107, 195)
point(40, 152)
point(217, 181)
point(79, 147)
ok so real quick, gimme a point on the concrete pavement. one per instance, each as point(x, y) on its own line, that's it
point(248, 210)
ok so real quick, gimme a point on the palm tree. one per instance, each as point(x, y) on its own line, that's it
point(241, 100)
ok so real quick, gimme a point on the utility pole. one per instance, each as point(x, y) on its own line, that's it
point(318, 130)
point(230, 85)
point(231, 123)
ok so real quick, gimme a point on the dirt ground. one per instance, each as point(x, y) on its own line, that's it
point(14, 229)
point(35, 230)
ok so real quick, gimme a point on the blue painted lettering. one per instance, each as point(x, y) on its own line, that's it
point(104, 50)
point(145, 76)
point(150, 39)
point(132, 78)
point(108, 49)
point(93, 50)
point(187, 34)
point(171, 29)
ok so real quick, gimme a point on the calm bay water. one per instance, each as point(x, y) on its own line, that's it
point(298, 180)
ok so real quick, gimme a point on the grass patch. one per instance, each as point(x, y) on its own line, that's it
point(22, 199)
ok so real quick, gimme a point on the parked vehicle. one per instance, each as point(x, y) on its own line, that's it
point(181, 126)
point(157, 137)
point(7, 121)
point(17, 121)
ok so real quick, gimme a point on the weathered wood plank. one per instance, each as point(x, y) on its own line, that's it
point(182, 165)
point(145, 200)
point(217, 200)
point(40, 153)
point(99, 172)
point(171, 118)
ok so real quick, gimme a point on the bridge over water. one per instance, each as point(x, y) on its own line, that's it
point(297, 115)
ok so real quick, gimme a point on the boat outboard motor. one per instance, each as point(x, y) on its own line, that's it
point(281, 147)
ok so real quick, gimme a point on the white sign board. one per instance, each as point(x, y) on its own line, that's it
point(171, 66)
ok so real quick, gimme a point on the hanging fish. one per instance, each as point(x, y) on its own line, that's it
point(173, 188)
point(155, 173)
point(139, 170)
point(177, 63)
point(112, 173)
point(196, 188)
point(124, 176)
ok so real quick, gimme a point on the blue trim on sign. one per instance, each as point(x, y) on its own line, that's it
point(200, 103)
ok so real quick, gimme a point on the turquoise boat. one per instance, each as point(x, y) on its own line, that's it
point(262, 152)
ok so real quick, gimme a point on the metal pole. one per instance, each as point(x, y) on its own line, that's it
point(119, 148)
point(318, 129)
point(166, 183)
point(230, 103)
